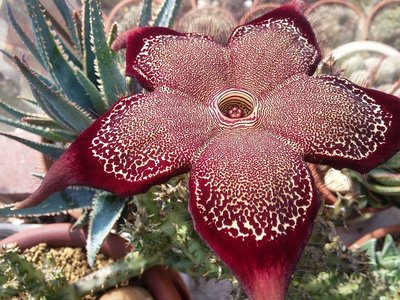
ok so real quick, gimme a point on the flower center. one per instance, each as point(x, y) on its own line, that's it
point(235, 108)
point(236, 104)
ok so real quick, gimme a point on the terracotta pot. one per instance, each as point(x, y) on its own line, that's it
point(376, 234)
point(165, 284)
point(162, 282)
point(60, 235)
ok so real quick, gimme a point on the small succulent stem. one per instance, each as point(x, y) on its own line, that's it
point(132, 265)
point(60, 29)
point(190, 256)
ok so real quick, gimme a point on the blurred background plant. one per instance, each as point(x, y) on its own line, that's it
point(74, 77)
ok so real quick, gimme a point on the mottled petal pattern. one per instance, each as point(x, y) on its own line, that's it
point(244, 118)
point(143, 140)
point(332, 121)
point(250, 195)
point(184, 62)
point(272, 48)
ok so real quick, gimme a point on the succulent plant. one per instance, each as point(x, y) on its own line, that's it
point(82, 80)
point(381, 186)
point(218, 113)
point(228, 226)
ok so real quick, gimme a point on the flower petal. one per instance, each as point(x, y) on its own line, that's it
point(272, 48)
point(143, 140)
point(253, 201)
point(333, 121)
point(191, 63)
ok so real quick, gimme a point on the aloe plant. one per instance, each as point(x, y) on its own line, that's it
point(82, 80)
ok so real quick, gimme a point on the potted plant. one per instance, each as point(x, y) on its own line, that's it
point(128, 149)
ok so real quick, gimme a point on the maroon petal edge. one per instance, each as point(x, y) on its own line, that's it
point(191, 63)
point(293, 10)
point(133, 41)
point(266, 52)
point(123, 154)
point(253, 201)
point(330, 120)
point(390, 106)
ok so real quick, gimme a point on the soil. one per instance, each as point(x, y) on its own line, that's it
point(70, 261)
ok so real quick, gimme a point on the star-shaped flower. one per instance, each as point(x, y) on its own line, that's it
point(243, 118)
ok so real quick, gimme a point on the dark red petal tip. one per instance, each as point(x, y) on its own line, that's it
point(121, 40)
point(188, 62)
point(271, 49)
point(253, 201)
point(292, 10)
point(133, 41)
point(334, 122)
point(387, 137)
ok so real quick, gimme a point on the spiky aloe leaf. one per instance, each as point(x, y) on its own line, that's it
point(112, 82)
point(106, 209)
point(61, 202)
point(88, 54)
point(27, 100)
point(43, 121)
point(78, 27)
point(54, 58)
point(66, 14)
point(54, 104)
point(145, 16)
point(61, 32)
point(113, 34)
point(53, 135)
point(168, 13)
point(16, 113)
point(50, 150)
point(25, 39)
point(42, 78)
point(97, 99)
point(83, 220)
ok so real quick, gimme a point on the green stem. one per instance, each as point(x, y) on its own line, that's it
point(190, 256)
point(132, 265)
